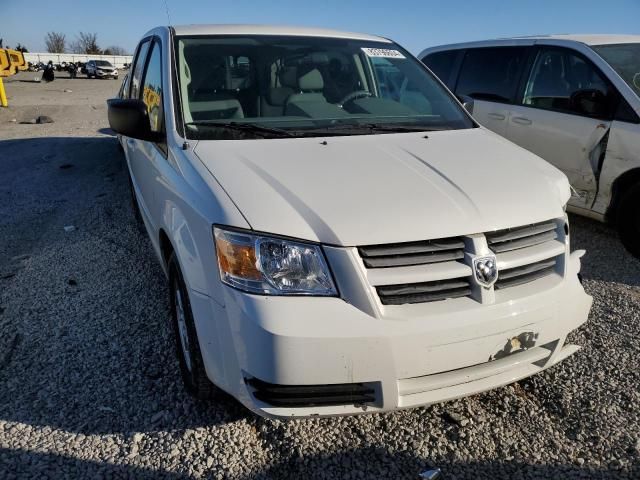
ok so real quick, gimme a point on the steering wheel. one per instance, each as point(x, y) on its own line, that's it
point(354, 96)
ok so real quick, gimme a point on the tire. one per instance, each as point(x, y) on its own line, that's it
point(192, 369)
point(628, 220)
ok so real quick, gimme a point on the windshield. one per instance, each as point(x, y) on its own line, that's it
point(103, 63)
point(271, 86)
point(625, 60)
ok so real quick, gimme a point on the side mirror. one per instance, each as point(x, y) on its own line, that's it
point(129, 117)
point(467, 103)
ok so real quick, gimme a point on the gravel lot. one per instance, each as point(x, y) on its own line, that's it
point(89, 385)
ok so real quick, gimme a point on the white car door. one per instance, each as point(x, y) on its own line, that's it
point(141, 154)
point(564, 116)
point(490, 77)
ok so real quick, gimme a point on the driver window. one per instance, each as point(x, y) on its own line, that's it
point(565, 82)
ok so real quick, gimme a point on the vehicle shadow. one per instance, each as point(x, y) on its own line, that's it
point(367, 462)
point(374, 462)
point(85, 341)
point(606, 259)
point(22, 463)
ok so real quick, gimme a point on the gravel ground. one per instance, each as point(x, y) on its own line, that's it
point(89, 385)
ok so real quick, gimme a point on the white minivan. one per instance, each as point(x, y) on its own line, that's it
point(339, 235)
point(574, 100)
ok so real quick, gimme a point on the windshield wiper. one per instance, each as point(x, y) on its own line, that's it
point(242, 127)
point(401, 128)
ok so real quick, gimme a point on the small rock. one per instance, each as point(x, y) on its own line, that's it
point(69, 228)
point(66, 90)
point(44, 119)
point(453, 417)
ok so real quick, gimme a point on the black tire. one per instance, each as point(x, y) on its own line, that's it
point(629, 220)
point(192, 368)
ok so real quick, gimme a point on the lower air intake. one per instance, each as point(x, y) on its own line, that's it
point(312, 395)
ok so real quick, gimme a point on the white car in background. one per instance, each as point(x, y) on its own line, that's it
point(574, 100)
point(339, 235)
point(101, 69)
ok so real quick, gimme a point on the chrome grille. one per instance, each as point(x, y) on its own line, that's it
point(527, 273)
point(521, 237)
point(412, 253)
point(440, 269)
point(424, 292)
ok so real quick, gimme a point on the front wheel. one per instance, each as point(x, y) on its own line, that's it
point(629, 220)
point(192, 368)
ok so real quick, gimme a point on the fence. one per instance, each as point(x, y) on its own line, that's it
point(115, 60)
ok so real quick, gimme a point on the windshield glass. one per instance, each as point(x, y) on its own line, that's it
point(271, 86)
point(102, 63)
point(625, 60)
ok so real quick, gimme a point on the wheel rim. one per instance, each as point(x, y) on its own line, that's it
point(182, 328)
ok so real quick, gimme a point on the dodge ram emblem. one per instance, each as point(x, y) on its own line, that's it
point(485, 270)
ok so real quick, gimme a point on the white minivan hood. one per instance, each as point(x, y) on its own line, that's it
point(373, 189)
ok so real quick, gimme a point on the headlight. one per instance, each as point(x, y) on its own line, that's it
point(271, 265)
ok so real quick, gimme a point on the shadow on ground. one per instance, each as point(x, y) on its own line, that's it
point(367, 463)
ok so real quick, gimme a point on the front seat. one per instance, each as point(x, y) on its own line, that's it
point(310, 101)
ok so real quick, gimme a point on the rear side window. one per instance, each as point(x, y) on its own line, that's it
point(442, 63)
point(138, 69)
point(491, 73)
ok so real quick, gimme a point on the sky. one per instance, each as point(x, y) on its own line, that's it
point(412, 23)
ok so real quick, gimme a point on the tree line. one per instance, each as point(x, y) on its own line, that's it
point(84, 43)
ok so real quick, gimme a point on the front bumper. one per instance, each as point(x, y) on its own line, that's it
point(427, 357)
point(106, 74)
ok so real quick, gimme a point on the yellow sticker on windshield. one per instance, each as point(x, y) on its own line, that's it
point(382, 53)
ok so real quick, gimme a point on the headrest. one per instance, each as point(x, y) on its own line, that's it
point(311, 81)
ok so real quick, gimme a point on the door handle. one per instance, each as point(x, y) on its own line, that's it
point(521, 121)
point(496, 116)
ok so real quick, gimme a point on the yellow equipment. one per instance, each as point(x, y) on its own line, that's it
point(11, 62)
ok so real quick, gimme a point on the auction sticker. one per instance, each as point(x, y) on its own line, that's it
point(382, 53)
